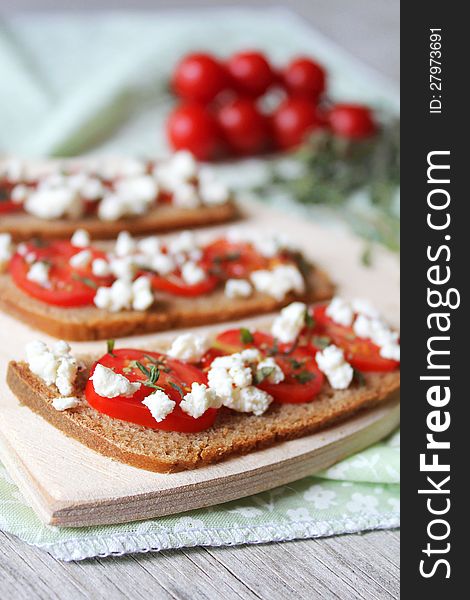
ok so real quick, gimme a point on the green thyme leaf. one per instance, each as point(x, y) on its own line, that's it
point(85, 280)
point(304, 376)
point(309, 320)
point(321, 341)
point(177, 388)
point(296, 364)
point(110, 346)
point(263, 373)
point(246, 336)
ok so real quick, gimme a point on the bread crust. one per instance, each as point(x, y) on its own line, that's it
point(168, 312)
point(24, 227)
point(232, 434)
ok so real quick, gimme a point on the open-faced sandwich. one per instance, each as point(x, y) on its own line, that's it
point(78, 291)
point(202, 400)
point(51, 199)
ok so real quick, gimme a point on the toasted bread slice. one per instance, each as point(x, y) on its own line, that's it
point(24, 227)
point(232, 434)
point(168, 312)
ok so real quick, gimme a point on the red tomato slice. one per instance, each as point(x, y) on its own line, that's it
point(68, 286)
point(6, 204)
point(303, 380)
point(174, 284)
point(362, 354)
point(172, 371)
point(233, 260)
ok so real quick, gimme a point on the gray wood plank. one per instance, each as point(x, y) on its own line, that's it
point(348, 567)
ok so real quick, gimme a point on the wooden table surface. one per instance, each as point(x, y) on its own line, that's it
point(347, 567)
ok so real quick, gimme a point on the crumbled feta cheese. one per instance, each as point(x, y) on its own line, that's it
point(364, 307)
point(143, 190)
point(22, 248)
point(249, 399)
point(231, 378)
point(66, 403)
point(279, 281)
point(123, 268)
point(143, 297)
point(185, 242)
point(238, 288)
point(81, 260)
point(179, 168)
point(111, 167)
point(192, 273)
point(92, 189)
point(199, 399)
point(331, 362)
point(380, 334)
point(53, 203)
point(124, 295)
point(188, 346)
point(6, 250)
point(163, 264)
point(125, 244)
point(100, 267)
point(290, 322)
point(80, 239)
point(109, 384)
point(213, 192)
point(149, 245)
point(274, 372)
point(185, 195)
point(112, 208)
point(340, 311)
point(159, 405)
point(39, 273)
point(54, 366)
point(19, 193)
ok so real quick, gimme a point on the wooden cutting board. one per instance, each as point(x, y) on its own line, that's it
point(68, 484)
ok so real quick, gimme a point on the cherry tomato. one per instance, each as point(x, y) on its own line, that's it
point(293, 121)
point(199, 78)
point(362, 354)
point(250, 73)
point(174, 376)
point(244, 128)
point(174, 284)
point(68, 286)
point(192, 127)
point(351, 121)
point(233, 260)
point(304, 77)
point(303, 379)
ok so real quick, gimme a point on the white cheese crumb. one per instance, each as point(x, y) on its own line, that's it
point(159, 405)
point(53, 203)
point(143, 297)
point(238, 288)
point(340, 311)
point(163, 264)
point(189, 347)
point(80, 239)
point(249, 399)
point(109, 384)
point(65, 403)
point(81, 260)
point(380, 334)
point(192, 273)
point(6, 250)
point(279, 281)
point(19, 193)
point(149, 245)
point(123, 267)
point(331, 362)
point(39, 273)
point(100, 267)
point(199, 399)
point(290, 322)
point(185, 242)
point(125, 244)
point(213, 191)
point(54, 366)
point(185, 195)
point(124, 295)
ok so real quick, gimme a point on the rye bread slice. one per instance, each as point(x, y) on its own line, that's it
point(168, 312)
point(24, 227)
point(232, 434)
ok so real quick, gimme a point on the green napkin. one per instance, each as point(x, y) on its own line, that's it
point(357, 494)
